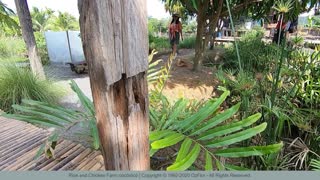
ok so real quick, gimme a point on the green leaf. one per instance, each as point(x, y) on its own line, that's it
point(237, 137)
point(57, 110)
point(236, 168)
point(216, 120)
point(230, 128)
point(85, 101)
point(41, 113)
point(209, 108)
point(168, 141)
point(208, 166)
point(94, 133)
point(39, 152)
point(156, 135)
point(220, 166)
point(249, 151)
point(153, 151)
point(184, 149)
point(33, 120)
point(194, 3)
point(179, 106)
point(187, 161)
point(315, 164)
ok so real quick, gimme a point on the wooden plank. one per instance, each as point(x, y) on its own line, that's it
point(93, 162)
point(86, 160)
point(56, 161)
point(20, 144)
point(13, 136)
point(18, 152)
point(96, 167)
point(75, 161)
point(68, 158)
point(12, 128)
point(22, 160)
point(13, 141)
point(44, 162)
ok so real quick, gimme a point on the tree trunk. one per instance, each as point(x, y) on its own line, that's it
point(214, 23)
point(115, 43)
point(28, 36)
point(201, 19)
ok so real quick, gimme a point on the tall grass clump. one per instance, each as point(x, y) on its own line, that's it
point(12, 49)
point(188, 43)
point(18, 83)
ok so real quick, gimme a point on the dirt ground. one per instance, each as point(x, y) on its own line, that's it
point(184, 82)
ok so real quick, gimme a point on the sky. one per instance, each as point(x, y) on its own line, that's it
point(155, 7)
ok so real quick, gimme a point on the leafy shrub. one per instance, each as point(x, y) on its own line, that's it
point(256, 55)
point(20, 83)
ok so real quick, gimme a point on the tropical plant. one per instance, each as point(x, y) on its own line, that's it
point(41, 19)
point(6, 17)
point(64, 21)
point(17, 83)
point(203, 130)
point(283, 7)
point(297, 41)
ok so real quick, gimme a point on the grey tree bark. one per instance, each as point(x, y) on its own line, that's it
point(28, 36)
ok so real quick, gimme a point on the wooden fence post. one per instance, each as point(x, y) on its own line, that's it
point(115, 43)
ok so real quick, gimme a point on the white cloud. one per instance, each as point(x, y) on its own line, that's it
point(155, 7)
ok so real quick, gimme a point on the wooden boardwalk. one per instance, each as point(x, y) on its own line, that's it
point(20, 141)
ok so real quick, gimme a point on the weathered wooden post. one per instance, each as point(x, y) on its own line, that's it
point(115, 43)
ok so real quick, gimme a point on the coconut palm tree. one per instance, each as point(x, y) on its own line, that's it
point(41, 19)
point(65, 21)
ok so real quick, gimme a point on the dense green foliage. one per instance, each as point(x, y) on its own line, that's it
point(281, 83)
point(254, 53)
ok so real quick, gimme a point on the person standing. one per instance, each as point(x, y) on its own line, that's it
point(175, 31)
